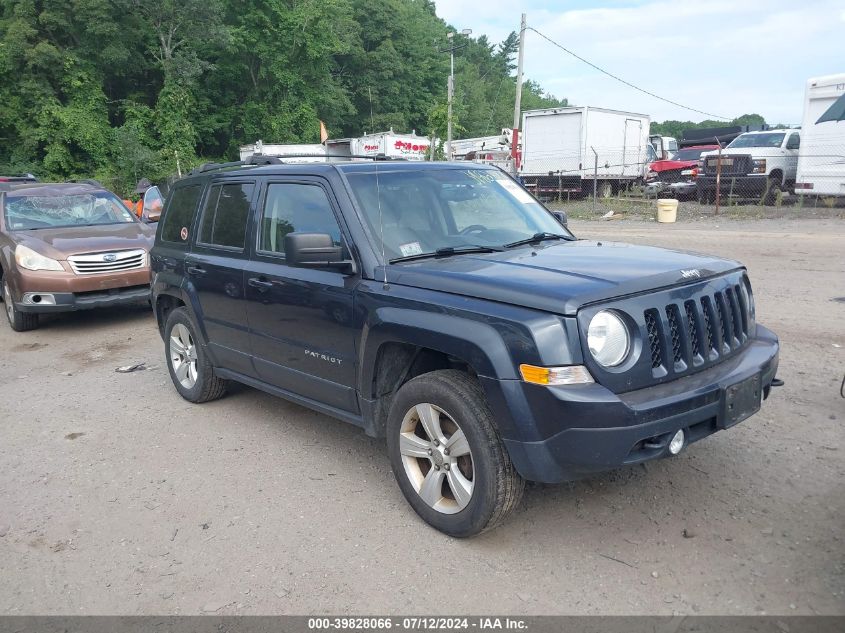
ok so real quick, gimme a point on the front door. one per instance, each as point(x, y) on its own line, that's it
point(301, 320)
point(215, 267)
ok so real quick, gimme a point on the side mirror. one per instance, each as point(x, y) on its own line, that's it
point(314, 250)
point(560, 216)
point(153, 203)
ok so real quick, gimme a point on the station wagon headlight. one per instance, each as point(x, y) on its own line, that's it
point(608, 339)
point(29, 259)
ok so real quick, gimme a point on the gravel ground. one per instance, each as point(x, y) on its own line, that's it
point(117, 497)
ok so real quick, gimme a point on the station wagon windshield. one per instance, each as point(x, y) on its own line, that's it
point(57, 211)
point(447, 211)
point(772, 139)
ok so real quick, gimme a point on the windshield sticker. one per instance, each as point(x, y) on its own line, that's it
point(515, 190)
point(412, 248)
point(184, 233)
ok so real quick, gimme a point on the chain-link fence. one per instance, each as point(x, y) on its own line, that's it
point(771, 171)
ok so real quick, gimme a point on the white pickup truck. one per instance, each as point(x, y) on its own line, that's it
point(754, 165)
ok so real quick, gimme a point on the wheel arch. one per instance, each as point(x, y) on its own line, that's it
point(404, 344)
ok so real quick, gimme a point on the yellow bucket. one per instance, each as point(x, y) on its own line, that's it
point(667, 210)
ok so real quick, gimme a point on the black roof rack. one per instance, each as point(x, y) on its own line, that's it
point(261, 159)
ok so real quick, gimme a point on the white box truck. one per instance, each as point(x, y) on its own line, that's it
point(303, 152)
point(391, 144)
point(561, 147)
point(821, 157)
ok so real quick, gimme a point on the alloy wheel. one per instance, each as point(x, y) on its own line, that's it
point(437, 458)
point(7, 299)
point(183, 356)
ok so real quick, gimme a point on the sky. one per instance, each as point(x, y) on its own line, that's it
point(725, 57)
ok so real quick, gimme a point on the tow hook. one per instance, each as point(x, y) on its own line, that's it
point(776, 382)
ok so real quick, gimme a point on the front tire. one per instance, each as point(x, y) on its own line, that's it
point(18, 321)
point(447, 456)
point(188, 363)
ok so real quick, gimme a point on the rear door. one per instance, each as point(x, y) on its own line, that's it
point(302, 324)
point(215, 269)
point(632, 152)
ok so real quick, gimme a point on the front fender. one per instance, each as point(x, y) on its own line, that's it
point(476, 343)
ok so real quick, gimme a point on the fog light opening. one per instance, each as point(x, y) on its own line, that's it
point(36, 298)
point(677, 442)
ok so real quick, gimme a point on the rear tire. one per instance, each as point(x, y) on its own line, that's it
point(770, 196)
point(18, 321)
point(187, 361)
point(463, 491)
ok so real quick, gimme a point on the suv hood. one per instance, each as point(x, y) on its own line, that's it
point(60, 242)
point(559, 277)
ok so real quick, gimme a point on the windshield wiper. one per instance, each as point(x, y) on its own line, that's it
point(448, 251)
point(539, 237)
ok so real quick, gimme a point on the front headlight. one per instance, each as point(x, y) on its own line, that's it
point(760, 166)
point(608, 339)
point(29, 259)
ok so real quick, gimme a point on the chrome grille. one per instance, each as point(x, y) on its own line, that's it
point(108, 262)
point(697, 332)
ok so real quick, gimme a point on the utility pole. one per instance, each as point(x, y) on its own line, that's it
point(518, 104)
point(450, 90)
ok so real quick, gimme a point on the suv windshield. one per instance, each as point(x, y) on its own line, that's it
point(770, 139)
point(55, 211)
point(423, 212)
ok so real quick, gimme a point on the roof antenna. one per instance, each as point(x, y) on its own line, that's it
point(381, 228)
point(372, 121)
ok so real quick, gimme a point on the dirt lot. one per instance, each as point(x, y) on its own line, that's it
point(118, 497)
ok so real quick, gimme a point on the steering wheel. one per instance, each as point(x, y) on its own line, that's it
point(472, 228)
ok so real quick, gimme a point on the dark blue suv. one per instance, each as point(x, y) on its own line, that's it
point(441, 306)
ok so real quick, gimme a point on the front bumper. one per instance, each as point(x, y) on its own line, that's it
point(69, 301)
point(752, 185)
point(604, 430)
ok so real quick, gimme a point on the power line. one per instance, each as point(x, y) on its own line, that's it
point(627, 83)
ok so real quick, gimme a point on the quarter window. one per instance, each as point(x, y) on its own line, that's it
point(794, 142)
point(225, 216)
point(295, 207)
point(180, 213)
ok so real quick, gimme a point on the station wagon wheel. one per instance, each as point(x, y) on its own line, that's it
point(183, 356)
point(188, 362)
point(19, 321)
point(437, 458)
point(447, 455)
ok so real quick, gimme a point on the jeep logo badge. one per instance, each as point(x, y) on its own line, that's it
point(692, 273)
point(109, 257)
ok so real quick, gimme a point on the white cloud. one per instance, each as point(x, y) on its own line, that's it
point(726, 58)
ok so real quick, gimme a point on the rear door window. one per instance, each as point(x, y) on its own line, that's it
point(179, 216)
point(225, 216)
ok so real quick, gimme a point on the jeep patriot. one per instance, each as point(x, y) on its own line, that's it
point(440, 306)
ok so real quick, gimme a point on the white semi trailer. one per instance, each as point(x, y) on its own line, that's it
point(821, 157)
point(568, 149)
